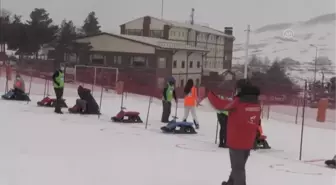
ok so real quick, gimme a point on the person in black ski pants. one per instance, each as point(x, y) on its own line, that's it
point(222, 117)
point(58, 79)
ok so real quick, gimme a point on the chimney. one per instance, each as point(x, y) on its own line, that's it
point(192, 16)
point(228, 30)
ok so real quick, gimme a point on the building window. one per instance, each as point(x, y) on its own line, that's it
point(191, 64)
point(137, 32)
point(197, 82)
point(182, 83)
point(117, 59)
point(156, 33)
point(182, 34)
point(183, 64)
point(174, 64)
point(98, 59)
point(198, 64)
point(139, 61)
point(162, 62)
point(160, 82)
point(179, 34)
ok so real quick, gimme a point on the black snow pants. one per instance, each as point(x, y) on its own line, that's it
point(222, 119)
point(59, 96)
point(166, 110)
point(238, 159)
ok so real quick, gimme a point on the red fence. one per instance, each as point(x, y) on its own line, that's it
point(277, 103)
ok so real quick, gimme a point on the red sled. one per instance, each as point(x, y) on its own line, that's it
point(50, 102)
point(127, 117)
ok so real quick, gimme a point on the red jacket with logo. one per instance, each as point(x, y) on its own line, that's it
point(242, 123)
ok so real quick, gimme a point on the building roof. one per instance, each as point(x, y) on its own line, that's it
point(155, 42)
point(196, 27)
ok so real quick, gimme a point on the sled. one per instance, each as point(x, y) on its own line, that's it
point(331, 163)
point(77, 110)
point(261, 143)
point(177, 127)
point(127, 117)
point(50, 102)
point(10, 95)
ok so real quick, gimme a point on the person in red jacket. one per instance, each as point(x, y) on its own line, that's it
point(242, 128)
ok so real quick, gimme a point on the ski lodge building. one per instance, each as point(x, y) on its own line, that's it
point(146, 55)
point(219, 43)
point(164, 48)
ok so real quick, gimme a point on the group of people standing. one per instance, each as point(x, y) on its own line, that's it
point(238, 117)
point(190, 101)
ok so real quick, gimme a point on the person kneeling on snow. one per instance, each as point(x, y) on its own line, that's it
point(19, 85)
point(86, 104)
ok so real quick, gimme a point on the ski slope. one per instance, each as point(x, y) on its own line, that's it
point(39, 147)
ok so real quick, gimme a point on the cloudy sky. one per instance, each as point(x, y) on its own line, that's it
point(216, 13)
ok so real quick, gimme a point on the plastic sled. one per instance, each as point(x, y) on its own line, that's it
point(127, 117)
point(261, 143)
point(77, 110)
point(331, 163)
point(74, 110)
point(177, 127)
point(50, 102)
point(10, 95)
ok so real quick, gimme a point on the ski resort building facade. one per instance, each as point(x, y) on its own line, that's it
point(145, 60)
point(219, 43)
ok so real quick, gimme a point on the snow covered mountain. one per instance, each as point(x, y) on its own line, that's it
point(293, 40)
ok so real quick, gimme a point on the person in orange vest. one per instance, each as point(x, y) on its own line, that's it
point(190, 102)
point(19, 84)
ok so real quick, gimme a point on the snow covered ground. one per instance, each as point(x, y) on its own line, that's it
point(40, 147)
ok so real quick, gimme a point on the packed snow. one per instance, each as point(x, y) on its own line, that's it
point(40, 147)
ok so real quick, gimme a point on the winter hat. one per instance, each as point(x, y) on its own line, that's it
point(171, 80)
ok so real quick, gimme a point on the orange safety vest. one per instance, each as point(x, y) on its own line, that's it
point(191, 98)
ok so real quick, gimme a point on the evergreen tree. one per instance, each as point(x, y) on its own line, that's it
point(41, 29)
point(91, 25)
point(67, 33)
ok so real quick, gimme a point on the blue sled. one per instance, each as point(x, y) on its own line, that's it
point(184, 127)
point(173, 124)
point(11, 95)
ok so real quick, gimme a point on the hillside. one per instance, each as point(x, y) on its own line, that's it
point(293, 40)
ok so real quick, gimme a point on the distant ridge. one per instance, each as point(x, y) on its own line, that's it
point(322, 19)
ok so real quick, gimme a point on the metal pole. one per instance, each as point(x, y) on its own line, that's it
point(2, 29)
point(315, 65)
point(303, 119)
point(122, 101)
point(297, 111)
point(246, 50)
point(162, 9)
point(149, 105)
point(100, 102)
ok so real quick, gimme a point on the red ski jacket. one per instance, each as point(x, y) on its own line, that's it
point(243, 119)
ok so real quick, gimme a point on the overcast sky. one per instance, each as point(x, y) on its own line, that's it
point(216, 13)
